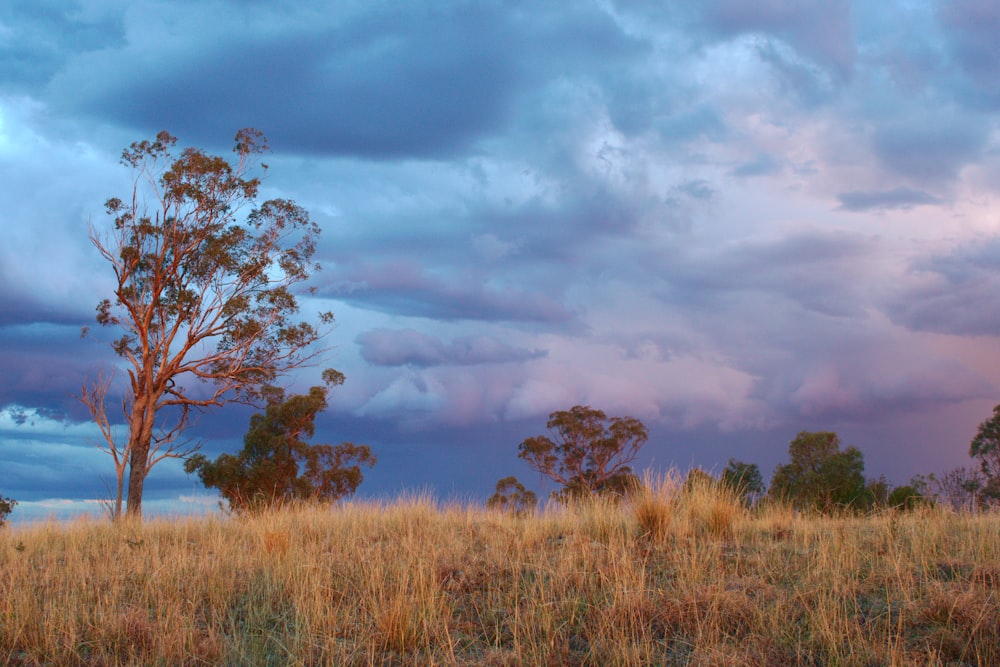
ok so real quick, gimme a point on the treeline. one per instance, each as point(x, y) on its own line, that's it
point(590, 454)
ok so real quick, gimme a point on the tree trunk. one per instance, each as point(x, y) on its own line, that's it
point(138, 465)
point(118, 496)
point(136, 477)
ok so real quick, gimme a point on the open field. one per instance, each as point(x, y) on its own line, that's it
point(666, 579)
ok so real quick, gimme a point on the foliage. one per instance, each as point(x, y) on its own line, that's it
point(6, 507)
point(876, 494)
point(907, 497)
point(203, 294)
point(276, 466)
point(820, 476)
point(512, 496)
point(744, 479)
point(985, 448)
point(589, 454)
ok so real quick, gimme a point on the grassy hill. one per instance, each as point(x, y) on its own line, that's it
point(669, 578)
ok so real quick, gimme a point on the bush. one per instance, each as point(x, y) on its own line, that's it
point(6, 507)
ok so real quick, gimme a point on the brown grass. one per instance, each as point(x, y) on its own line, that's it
point(670, 577)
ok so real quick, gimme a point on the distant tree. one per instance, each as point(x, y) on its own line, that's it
point(6, 507)
point(512, 496)
point(959, 488)
point(820, 476)
point(985, 448)
point(698, 478)
point(907, 497)
point(744, 479)
point(202, 293)
point(277, 466)
point(589, 453)
point(876, 494)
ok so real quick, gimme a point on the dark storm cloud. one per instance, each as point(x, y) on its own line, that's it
point(425, 85)
point(954, 293)
point(417, 81)
point(44, 366)
point(384, 347)
point(17, 307)
point(896, 198)
point(404, 288)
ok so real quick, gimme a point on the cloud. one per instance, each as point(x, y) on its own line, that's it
point(951, 293)
point(529, 206)
point(762, 164)
point(401, 287)
point(808, 269)
point(929, 150)
point(366, 87)
point(897, 198)
point(972, 27)
point(38, 36)
point(819, 30)
point(383, 347)
point(420, 81)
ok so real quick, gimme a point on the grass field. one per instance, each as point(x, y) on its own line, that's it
point(669, 578)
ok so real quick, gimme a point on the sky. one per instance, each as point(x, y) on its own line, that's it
point(732, 220)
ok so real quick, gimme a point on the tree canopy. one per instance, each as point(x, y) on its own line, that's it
point(511, 496)
point(589, 453)
point(820, 476)
point(203, 298)
point(277, 466)
point(985, 448)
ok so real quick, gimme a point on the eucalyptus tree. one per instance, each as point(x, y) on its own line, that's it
point(277, 466)
point(588, 452)
point(203, 299)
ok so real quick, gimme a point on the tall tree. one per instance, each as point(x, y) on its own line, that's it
point(277, 465)
point(203, 290)
point(820, 475)
point(589, 453)
point(985, 448)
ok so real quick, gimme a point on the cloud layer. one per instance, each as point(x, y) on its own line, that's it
point(732, 220)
